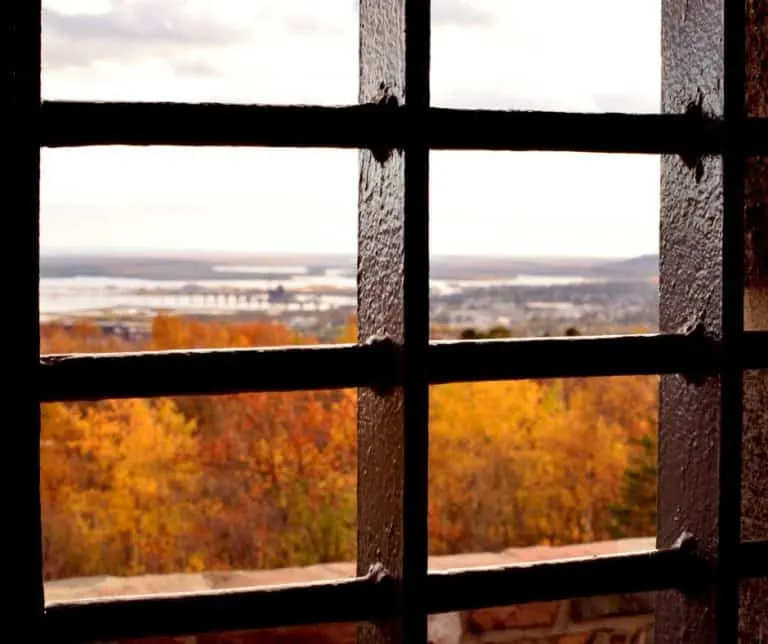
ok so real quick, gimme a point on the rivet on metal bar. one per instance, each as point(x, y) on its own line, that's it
point(378, 574)
point(388, 360)
point(693, 568)
point(702, 349)
point(692, 157)
point(384, 581)
point(385, 102)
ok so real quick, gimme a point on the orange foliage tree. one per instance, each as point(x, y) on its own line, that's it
point(279, 468)
point(80, 337)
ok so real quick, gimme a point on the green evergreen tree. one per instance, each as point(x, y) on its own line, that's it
point(635, 514)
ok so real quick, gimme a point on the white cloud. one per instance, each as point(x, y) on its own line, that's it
point(254, 51)
point(591, 55)
point(551, 54)
point(459, 13)
point(126, 30)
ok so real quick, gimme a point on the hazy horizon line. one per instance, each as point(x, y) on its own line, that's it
point(176, 252)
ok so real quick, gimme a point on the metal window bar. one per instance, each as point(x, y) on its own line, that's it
point(368, 597)
point(71, 124)
point(393, 590)
point(21, 80)
point(377, 365)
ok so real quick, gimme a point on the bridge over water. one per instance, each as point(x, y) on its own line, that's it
point(275, 300)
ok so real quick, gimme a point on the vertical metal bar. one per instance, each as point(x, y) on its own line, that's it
point(393, 289)
point(416, 312)
point(692, 293)
point(702, 284)
point(731, 417)
point(22, 161)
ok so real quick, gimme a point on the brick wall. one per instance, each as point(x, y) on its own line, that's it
point(624, 619)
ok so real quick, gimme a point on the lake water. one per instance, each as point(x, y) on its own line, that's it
point(299, 291)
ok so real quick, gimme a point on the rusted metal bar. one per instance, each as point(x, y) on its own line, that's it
point(173, 373)
point(734, 165)
point(691, 354)
point(378, 365)
point(416, 330)
point(393, 300)
point(368, 126)
point(102, 619)
point(455, 590)
point(701, 282)
point(516, 359)
point(21, 200)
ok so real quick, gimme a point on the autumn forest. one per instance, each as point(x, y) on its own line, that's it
point(268, 480)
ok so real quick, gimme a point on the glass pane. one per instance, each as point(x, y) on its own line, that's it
point(586, 56)
point(194, 50)
point(534, 244)
point(217, 236)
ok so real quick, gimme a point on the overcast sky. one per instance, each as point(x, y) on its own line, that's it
point(584, 55)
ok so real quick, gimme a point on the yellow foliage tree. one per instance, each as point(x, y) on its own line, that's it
point(482, 463)
point(524, 463)
point(124, 474)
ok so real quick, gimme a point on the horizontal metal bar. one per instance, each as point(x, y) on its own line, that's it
point(515, 359)
point(351, 600)
point(753, 559)
point(371, 597)
point(692, 354)
point(176, 373)
point(672, 568)
point(211, 372)
point(69, 124)
point(754, 350)
point(574, 132)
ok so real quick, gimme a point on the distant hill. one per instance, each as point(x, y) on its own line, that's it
point(640, 267)
point(180, 267)
point(636, 268)
point(210, 266)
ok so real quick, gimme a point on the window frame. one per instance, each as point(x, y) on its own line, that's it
point(395, 363)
